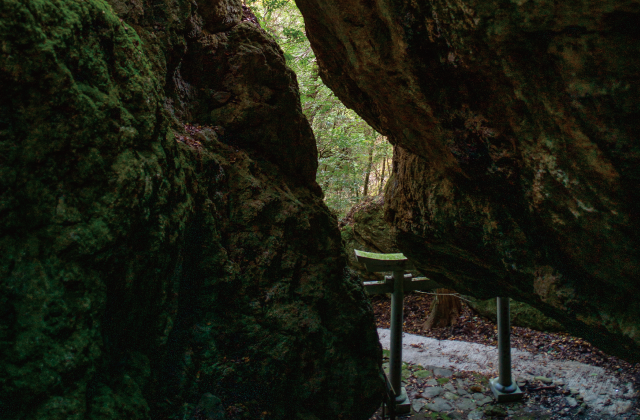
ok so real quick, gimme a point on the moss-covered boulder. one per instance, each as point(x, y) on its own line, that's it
point(517, 160)
point(371, 229)
point(164, 249)
point(365, 229)
point(350, 244)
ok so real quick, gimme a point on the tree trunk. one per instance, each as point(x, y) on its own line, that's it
point(311, 115)
point(355, 185)
point(444, 310)
point(368, 174)
point(382, 177)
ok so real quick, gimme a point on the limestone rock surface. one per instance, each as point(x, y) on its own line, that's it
point(517, 159)
point(367, 231)
point(154, 269)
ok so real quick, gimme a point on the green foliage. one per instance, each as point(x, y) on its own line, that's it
point(349, 150)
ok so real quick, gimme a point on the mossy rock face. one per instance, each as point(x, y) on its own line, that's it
point(368, 232)
point(370, 228)
point(350, 244)
point(220, 15)
point(516, 154)
point(522, 315)
point(148, 271)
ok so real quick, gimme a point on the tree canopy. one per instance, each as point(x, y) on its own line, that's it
point(353, 158)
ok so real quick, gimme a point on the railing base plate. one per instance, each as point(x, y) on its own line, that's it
point(403, 405)
point(504, 397)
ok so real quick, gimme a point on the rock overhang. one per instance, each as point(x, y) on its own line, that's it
point(515, 168)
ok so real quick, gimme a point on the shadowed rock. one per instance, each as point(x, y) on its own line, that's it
point(522, 315)
point(516, 162)
point(220, 15)
point(367, 230)
point(151, 269)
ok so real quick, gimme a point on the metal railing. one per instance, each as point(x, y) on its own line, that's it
point(504, 388)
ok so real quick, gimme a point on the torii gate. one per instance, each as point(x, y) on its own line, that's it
point(504, 387)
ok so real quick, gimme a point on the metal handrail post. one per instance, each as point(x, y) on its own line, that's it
point(395, 359)
point(504, 344)
point(504, 387)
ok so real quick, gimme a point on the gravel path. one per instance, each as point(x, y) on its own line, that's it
point(446, 374)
